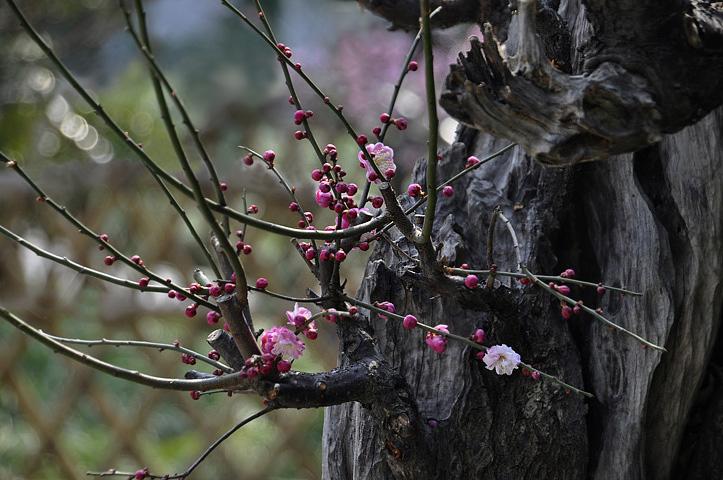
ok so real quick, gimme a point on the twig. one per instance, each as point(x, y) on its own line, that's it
point(491, 238)
point(85, 230)
point(589, 310)
point(313, 268)
point(244, 202)
point(513, 236)
point(392, 102)
point(222, 438)
point(403, 74)
point(552, 278)
point(234, 308)
point(199, 460)
point(170, 179)
point(233, 380)
point(143, 344)
point(522, 268)
point(172, 135)
point(466, 341)
point(290, 298)
point(491, 249)
point(157, 76)
point(219, 233)
point(283, 182)
point(290, 85)
point(432, 138)
point(79, 267)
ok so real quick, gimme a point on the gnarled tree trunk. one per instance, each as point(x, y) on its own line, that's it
point(651, 220)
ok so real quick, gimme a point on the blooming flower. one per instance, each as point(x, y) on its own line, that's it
point(298, 316)
point(502, 359)
point(383, 157)
point(437, 342)
point(282, 341)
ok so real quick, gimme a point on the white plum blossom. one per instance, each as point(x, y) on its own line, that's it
point(383, 157)
point(502, 359)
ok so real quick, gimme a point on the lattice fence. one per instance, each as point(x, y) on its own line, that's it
point(62, 419)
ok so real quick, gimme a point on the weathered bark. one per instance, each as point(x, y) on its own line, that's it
point(647, 71)
point(651, 220)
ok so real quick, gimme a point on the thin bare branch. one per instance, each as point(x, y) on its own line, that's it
point(85, 230)
point(552, 278)
point(432, 136)
point(170, 179)
point(179, 476)
point(158, 76)
point(523, 269)
point(390, 198)
point(225, 381)
point(142, 344)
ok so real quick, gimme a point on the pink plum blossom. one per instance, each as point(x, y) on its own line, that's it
point(383, 157)
point(437, 342)
point(298, 316)
point(282, 342)
point(502, 359)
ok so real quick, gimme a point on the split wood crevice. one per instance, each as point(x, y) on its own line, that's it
point(652, 68)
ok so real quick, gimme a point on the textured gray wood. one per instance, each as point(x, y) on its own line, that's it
point(487, 427)
point(647, 71)
point(653, 221)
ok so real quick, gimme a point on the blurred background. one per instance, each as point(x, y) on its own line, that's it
point(59, 419)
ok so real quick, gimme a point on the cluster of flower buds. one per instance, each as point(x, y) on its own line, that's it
point(332, 191)
point(264, 365)
point(286, 50)
point(241, 246)
point(328, 252)
point(401, 123)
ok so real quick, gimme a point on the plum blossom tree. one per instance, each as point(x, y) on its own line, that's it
point(592, 382)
